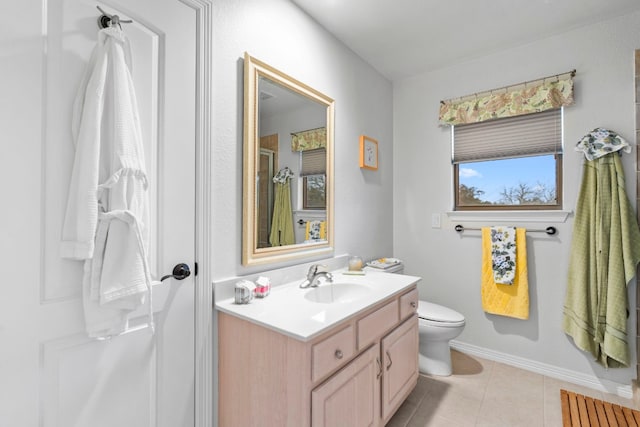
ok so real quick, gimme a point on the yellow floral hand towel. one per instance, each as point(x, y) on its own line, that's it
point(504, 299)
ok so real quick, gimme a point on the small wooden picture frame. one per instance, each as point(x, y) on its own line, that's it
point(368, 153)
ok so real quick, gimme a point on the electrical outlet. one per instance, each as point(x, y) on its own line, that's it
point(435, 220)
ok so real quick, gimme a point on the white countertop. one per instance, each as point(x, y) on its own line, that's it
point(287, 311)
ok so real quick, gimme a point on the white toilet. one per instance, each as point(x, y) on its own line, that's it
point(437, 326)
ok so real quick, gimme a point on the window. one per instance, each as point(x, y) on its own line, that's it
point(313, 194)
point(313, 171)
point(512, 163)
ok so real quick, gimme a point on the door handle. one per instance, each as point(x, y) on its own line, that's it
point(180, 271)
point(390, 361)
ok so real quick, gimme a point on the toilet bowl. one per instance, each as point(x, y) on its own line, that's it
point(437, 326)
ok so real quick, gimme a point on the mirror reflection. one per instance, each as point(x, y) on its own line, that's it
point(291, 174)
point(288, 167)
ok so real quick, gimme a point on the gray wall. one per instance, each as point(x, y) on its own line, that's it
point(450, 263)
point(280, 34)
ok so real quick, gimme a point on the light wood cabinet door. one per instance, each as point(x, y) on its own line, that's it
point(352, 396)
point(400, 359)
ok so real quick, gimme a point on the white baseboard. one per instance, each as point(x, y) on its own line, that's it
point(574, 377)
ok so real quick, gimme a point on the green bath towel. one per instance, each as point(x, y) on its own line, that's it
point(282, 221)
point(604, 253)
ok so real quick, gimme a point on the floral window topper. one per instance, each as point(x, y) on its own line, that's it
point(503, 254)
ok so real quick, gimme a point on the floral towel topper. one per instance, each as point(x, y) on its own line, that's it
point(283, 176)
point(503, 254)
point(600, 142)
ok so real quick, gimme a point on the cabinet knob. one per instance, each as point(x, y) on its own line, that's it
point(413, 304)
point(338, 354)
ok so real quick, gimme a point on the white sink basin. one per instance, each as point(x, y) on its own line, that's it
point(330, 293)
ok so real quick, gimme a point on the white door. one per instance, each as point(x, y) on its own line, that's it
point(51, 373)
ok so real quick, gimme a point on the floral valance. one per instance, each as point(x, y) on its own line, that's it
point(309, 139)
point(523, 99)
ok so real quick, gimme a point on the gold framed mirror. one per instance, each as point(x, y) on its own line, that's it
point(288, 176)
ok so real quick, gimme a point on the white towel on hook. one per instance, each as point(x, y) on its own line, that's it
point(107, 218)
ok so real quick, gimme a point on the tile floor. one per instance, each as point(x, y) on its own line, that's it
point(484, 393)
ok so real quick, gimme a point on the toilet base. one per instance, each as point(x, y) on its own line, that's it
point(435, 359)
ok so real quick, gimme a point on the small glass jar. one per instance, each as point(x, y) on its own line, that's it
point(355, 263)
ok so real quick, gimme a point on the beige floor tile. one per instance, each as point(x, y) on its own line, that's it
point(471, 392)
point(419, 391)
point(433, 385)
point(506, 376)
point(511, 411)
point(402, 415)
point(437, 421)
point(455, 403)
point(513, 385)
point(514, 397)
point(463, 364)
point(470, 375)
point(482, 393)
point(409, 406)
point(552, 417)
point(509, 420)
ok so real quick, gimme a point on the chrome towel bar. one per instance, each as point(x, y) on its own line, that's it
point(549, 230)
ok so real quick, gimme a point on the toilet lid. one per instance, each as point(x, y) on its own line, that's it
point(438, 313)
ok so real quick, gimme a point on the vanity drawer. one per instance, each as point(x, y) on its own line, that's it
point(377, 323)
point(332, 352)
point(409, 303)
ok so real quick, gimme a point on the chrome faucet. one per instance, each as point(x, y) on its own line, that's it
point(313, 276)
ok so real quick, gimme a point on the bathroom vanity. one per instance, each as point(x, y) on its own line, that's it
point(320, 357)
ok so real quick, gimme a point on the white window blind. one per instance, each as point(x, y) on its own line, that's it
point(314, 162)
point(520, 136)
